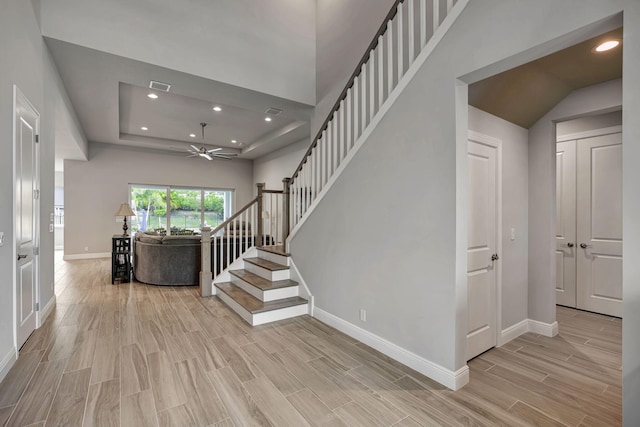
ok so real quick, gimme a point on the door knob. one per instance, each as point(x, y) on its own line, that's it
point(570, 245)
point(495, 257)
point(585, 246)
point(21, 256)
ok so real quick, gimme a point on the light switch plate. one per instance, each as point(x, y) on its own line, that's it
point(1, 238)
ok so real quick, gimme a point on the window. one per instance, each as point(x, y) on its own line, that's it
point(178, 210)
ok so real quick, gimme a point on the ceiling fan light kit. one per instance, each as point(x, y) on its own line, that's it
point(211, 153)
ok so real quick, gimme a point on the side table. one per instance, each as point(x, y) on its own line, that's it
point(120, 258)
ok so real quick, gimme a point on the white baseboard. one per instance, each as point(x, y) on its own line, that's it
point(545, 329)
point(46, 311)
point(95, 255)
point(527, 325)
point(451, 379)
point(304, 291)
point(7, 362)
point(513, 332)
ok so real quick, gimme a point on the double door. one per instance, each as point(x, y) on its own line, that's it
point(589, 224)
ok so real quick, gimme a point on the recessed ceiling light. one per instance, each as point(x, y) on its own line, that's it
point(217, 109)
point(608, 45)
point(233, 141)
point(192, 135)
point(144, 128)
point(152, 96)
point(267, 119)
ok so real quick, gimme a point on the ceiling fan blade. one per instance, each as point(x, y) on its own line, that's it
point(192, 155)
point(214, 150)
point(226, 154)
point(223, 157)
point(206, 156)
point(195, 148)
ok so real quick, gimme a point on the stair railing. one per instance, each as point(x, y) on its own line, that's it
point(405, 31)
point(261, 221)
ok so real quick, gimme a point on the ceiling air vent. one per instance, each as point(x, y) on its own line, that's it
point(272, 111)
point(159, 86)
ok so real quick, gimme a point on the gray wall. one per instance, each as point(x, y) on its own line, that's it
point(604, 97)
point(514, 256)
point(95, 189)
point(390, 236)
point(27, 64)
point(271, 168)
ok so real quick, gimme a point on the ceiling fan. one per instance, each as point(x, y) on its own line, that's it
point(209, 154)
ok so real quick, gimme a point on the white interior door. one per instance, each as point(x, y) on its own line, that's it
point(26, 228)
point(482, 240)
point(599, 224)
point(566, 223)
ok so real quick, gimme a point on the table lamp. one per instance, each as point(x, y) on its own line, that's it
point(125, 211)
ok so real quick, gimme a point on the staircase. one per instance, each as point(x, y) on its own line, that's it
point(262, 291)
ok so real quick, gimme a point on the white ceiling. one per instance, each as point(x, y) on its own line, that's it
point(109, 95)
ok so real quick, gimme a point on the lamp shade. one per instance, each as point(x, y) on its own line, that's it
point(125, 210)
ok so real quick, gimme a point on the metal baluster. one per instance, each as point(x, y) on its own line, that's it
point(412, 27)
point(400, 42)
point(390, 55)
point(336, 143)
point(372, 85)
point(380, 56)
point(363, 100)
point(356, 110)
point(436, 14)
point(423, 23)
point(342, 138)
point(349, 113)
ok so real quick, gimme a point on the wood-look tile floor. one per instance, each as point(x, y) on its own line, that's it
point(138, 355)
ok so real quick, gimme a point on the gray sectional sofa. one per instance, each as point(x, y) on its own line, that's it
point(176, 260)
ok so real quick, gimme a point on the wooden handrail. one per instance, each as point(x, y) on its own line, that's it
point(234, 216)
point(272, 191)
point(356, 73)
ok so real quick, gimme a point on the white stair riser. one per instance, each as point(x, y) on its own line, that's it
point(247, 287)
point(236, 307)
point(267, 274)
point(283, 313)
point(268, 295)
point(266, 316)
point(270, 256)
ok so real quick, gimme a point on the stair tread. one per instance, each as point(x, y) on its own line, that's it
point(275, 249)
point(260, 282)
point(253, 304)
point(269, 265)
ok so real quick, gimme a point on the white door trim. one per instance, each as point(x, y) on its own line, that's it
point(18, 96)
point(589, 133)
point(497, 144)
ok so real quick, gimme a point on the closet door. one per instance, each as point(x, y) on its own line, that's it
point(599, 224)
point(566, 223)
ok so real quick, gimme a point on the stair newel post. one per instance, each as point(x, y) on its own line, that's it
point(286, 183)
point(259, 231)
point(206, 277)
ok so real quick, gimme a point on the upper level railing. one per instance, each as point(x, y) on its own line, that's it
point(403, 34)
